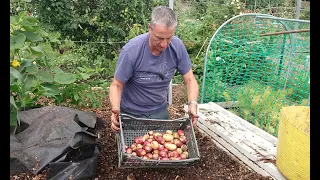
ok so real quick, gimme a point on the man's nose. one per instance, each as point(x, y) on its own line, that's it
point(164, 44)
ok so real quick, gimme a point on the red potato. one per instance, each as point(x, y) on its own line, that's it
point(176, 158)
point(148, 148)
point(149, 140)
point(151, 137)
point(126, 146)
point(149, 155)
point(141, 152)
point(177, 142)
point(164, 158)
point(163, 154)
point(174, 153)
point(129, 150)
point(147, 143)
point(180, 132)
point(183, 139)
point(161, 147)
point(165, 150)
point(155, 156)
point(134, 153)
point(160, 139)
point(139, 140)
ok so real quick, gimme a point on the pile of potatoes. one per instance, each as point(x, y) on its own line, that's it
point(160, 146)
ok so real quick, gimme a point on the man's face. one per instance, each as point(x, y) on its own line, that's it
point(160, 37)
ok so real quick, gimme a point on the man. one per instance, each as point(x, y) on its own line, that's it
point(145, 67)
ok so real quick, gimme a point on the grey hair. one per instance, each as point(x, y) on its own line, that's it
point(164, 16)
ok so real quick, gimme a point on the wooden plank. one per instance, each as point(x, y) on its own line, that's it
point(232, 144)
point(233, 150)
point(263, 134)
point(227, 139)
point(239, 134)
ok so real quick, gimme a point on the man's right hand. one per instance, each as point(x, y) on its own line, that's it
point(115, 120)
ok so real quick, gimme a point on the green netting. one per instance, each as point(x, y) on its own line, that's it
point(253, 73)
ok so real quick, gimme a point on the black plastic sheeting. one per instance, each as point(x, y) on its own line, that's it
point(56, 138)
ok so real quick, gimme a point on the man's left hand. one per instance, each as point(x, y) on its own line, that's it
point(193, 113)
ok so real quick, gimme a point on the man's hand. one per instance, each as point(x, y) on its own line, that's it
point(115, 120)
point(193, 113)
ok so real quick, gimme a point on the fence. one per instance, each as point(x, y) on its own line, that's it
point(257, 63)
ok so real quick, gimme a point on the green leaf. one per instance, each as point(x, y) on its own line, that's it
point(14, 87)
point(13, 117)
point(76, 97)
point(65, 78)
point(56, 69)
point(25, 63)
point(43, 33)
point(30, 81)
point(13, 20)
point(13, 102)
point(82, 69)
point(50, 89)
point(33, 37)
point(84, 76)
point(37, 50)
point(17, 41)
point(15, 73)
point(45, 76)
point(30, 24)
point(32, 69)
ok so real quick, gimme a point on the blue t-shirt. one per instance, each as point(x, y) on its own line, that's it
point(146, 77)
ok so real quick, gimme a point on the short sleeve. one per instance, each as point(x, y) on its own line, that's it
point(184, 62)
point(124, 70)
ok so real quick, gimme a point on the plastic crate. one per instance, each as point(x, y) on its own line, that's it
point(132, 127)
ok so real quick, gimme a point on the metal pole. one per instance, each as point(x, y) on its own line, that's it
point(171, 4)
point(298, 8)
point(170, 85)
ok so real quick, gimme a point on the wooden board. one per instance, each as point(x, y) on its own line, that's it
point(244, 140)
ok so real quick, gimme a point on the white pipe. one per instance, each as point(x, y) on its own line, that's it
point(170, 85)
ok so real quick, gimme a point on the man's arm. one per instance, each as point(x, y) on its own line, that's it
point(115, 90)
point(193, 93)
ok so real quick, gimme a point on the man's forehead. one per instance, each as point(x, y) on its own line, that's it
point(162, 32)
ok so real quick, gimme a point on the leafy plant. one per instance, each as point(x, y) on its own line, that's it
point(29, 80)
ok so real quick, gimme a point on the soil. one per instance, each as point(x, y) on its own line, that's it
point(215, 163)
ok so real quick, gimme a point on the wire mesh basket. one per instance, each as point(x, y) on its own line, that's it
point(132, 127)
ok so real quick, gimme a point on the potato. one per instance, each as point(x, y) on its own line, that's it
point(171, 147)
point(168, 137)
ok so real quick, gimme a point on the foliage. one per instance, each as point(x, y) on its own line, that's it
point(94, 21)
point(260, 4)
point(28, 79)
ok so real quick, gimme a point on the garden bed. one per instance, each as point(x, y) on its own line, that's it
point(215, 163)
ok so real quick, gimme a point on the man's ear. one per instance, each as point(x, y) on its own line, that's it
point(149, 26)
